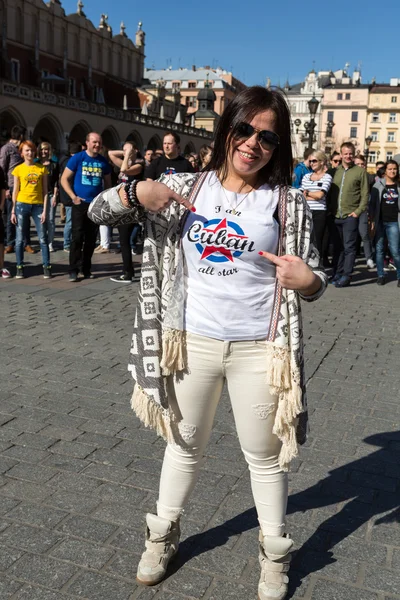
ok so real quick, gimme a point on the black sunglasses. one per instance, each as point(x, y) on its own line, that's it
point(268, 139)
point(336, 160)
point(314, 160)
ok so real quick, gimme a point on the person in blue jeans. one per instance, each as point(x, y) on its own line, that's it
point(73, 148)
point(384, 212)
point(30, 199)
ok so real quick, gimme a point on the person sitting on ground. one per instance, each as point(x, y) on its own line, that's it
point(30, 200)
point(219, 301)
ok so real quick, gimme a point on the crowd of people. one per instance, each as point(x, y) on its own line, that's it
point(33, 183)
point(348, 206)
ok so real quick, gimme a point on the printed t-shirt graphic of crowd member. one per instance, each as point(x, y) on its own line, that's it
point(171, 162)
point(30, 182)
point(89, 172)
point(86, 175)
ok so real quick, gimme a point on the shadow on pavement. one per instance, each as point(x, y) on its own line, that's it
point(370, 487)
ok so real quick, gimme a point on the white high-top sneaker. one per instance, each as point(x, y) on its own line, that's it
point(274, 557)
point(162, 542)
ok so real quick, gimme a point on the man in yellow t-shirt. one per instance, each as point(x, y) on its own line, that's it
point(30, 183)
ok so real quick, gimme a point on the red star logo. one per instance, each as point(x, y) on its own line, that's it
point(224, 251)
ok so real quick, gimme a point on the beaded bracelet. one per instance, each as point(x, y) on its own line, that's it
point(132, 199)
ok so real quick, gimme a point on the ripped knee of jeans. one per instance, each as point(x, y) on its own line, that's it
point(187, 431)
point(262, 411)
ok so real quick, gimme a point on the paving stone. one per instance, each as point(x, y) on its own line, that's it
point(100, 587)
point(65, 463)
point(7, 504)
point(42, 570)
point(329, 590)
point(29, 592)
point(98, 440)
point(91, 529)
point(40, 442)
point(32, 539)
point(189, 582)
point(75, 449)
point(8, 556)
point(27, 454)
point(122, 514)
point(107, 473)
point(6, 464)
point(74, 501)
point(26, 490)
point(33, 514)
point(386, 580)
point(8, 587)
point(83, 553)
point(30, 472)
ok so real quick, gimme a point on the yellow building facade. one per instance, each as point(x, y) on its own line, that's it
point(383, 121)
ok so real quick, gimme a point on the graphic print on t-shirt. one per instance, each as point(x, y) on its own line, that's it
point(92, 173)
point(219, 240)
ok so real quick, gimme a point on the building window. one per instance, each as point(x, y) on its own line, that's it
point(375, 117)
point(372, 156)
point(347, 97)
point(394, 99)
point(354, 116)
point(330, 115)
point(192, 85)
point(340, 96)
point(390, 137)
point(72, 87)
point(389, 155)
point(191, 101)
point(353, 132)
point(392, 118)
point(374, 136)
point(45, 85)
point(176, 85)
point(15, 70)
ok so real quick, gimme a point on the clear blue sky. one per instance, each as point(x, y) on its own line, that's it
point(261, 38)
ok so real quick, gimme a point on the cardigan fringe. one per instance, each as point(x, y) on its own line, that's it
point(152, 414)
point(173, 351)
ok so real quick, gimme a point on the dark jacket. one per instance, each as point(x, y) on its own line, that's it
point(374, 208)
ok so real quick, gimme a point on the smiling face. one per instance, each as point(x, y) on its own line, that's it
point(246, 156)
point(45, 151)
point(315, 163)
point(27, 153)
point(347, 153)
point(94, 143)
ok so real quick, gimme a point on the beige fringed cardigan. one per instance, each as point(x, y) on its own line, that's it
point(159, 341)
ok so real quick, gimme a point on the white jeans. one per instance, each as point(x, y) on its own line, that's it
point(105, 236)
point(195, 397)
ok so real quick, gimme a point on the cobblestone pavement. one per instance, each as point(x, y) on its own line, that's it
point(78, 472)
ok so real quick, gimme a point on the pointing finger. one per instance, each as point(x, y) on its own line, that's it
point(180, 200)
point(276, 260)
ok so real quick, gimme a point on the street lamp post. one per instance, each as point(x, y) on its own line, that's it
point(310, 126)
point(368, 141)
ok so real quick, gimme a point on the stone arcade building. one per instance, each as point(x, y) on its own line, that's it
point(62, 77)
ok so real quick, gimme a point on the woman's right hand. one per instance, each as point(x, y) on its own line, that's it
point(156, 197)
point(13, 218)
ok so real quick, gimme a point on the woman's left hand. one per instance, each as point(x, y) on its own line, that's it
point(42, 218)
point(293, 273)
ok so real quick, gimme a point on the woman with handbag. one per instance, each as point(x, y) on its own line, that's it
point(227, 257)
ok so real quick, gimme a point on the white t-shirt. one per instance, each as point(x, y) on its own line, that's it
point(321, 185)
point(230, 287)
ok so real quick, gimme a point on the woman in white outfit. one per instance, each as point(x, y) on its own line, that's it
point(227, 256)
